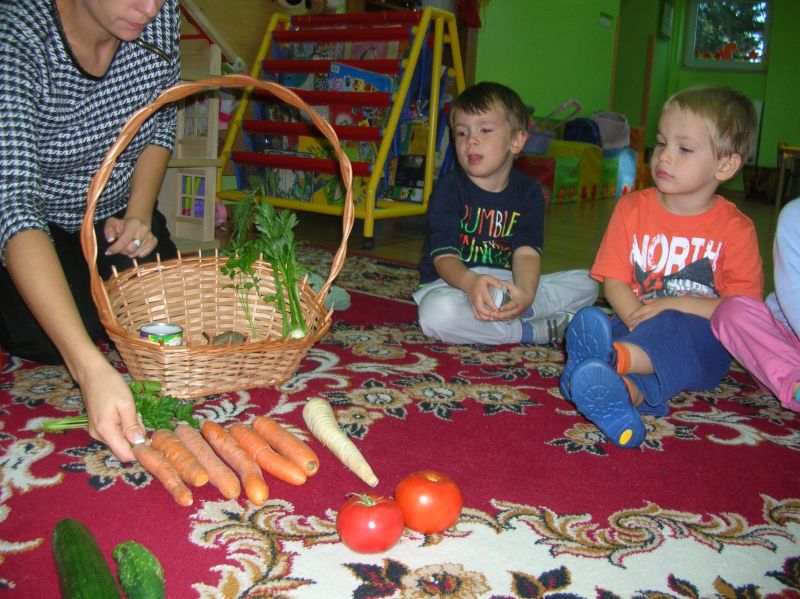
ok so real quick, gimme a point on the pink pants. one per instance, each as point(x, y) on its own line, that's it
point(767, 349)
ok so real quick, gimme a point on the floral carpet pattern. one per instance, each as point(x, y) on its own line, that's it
point(708, 507)
point(364, 274)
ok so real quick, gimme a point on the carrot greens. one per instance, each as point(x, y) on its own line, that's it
point(275, 243)
point(157, 411)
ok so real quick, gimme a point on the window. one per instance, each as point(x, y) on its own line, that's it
point(729, 35)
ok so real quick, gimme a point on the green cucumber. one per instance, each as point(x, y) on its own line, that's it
point(140, 573)
point(83, 572)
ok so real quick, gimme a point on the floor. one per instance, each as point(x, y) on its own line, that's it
point(572, 233)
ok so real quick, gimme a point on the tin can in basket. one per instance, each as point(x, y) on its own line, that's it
point(162, 333)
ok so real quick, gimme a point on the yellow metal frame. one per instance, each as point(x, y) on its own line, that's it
point(372, 208)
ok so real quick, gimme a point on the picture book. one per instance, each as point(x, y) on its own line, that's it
point(316, 51)
point(374, 50)
point(346, 78)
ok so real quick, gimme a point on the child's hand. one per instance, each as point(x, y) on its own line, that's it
point(519, 301)
point(645, 312)
point(700, 306)
point(482, 298)
point(515, 302)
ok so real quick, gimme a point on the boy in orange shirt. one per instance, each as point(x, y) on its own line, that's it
point(668, 257)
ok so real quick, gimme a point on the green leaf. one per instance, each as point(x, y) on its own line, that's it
point(157, 411)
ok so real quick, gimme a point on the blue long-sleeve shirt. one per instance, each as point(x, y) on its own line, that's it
point(482, 228)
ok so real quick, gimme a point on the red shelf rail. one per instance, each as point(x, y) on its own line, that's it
point(368, 18)
point(298, 163)
point(315, 98)
point(348, 132)
point(351, 34)
point(323, 66)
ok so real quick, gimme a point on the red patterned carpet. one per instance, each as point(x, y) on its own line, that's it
point(709, 507)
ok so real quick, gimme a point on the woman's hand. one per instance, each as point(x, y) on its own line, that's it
point(111, 409)
point(106, 395)
point(130, 237)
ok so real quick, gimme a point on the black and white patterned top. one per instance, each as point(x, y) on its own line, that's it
point(57, 121)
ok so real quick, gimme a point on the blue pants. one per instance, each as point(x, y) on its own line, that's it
point(685, 354)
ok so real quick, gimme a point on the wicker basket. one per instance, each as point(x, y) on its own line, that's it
point(192, 293)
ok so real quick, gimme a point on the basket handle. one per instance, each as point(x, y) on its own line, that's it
point(178, 92)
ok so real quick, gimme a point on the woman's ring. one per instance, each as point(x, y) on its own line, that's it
point(137, 243)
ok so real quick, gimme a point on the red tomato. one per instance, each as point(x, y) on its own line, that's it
point(430, 501)
point(369, 523)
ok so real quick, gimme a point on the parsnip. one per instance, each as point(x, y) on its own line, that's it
point(321, 421)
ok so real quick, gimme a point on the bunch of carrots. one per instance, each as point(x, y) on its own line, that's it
point(229, 458)
point(191, 454)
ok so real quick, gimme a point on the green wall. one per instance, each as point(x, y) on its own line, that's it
point(781, 118)
point(549, 51)
point(552, 50)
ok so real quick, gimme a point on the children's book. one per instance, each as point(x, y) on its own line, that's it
point(286, 183)
point(375, 50)
point(308, 81)
point(317, 51)
point(346, 78)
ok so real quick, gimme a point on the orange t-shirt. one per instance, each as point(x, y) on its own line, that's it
point(661, 254)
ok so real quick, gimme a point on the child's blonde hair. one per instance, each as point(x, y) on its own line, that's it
point(483, 96)
point(729, 115)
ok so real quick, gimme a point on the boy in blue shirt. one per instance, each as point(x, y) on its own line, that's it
point(480, 273)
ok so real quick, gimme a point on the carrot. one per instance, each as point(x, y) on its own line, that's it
point(160, 467)
point(189, 469)
point(255, 445)
point(287, 444)
point(222, 477)
point(321, 421)
point(228, 449)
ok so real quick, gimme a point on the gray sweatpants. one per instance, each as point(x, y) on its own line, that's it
point(445, 312)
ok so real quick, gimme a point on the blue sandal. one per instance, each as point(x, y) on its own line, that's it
point(588, 336)
point(601, 395)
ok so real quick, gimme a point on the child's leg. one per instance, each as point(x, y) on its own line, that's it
point(764, 347)
point(559, 296)
point(445, 313)
point(632, 358)
point(603, 396)
point(683, 351)
point(589, 335)
point(565, 291)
